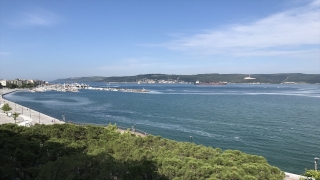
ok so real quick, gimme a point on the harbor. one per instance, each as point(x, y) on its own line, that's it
point(75, 87)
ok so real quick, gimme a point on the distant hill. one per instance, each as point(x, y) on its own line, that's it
point(230, 78)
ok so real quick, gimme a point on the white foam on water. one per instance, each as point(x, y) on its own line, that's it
point(306, 92)
point(57, 100)
point(75, 101)
point(154, 92)
point(198, 93)
point(99, 107)
point(283, 94)
point(237, 138)
point(174, 127)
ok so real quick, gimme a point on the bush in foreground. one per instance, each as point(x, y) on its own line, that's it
point(90, 152)
point(312, 173)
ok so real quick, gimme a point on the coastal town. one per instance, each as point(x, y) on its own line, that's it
point(75, 83)
point(279, 78)
point(43, 86)
point(21, 83)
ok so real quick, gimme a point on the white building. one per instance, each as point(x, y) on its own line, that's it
point(249, 78)
point(3, 82)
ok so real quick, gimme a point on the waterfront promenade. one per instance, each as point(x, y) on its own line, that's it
point(291, 176)
point(27, 116)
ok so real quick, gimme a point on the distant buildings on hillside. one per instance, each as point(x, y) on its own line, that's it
point(21, 82)
point(161, 81)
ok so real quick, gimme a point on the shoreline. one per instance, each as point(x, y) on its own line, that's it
point(32, 117)
point(47, 120)
point(27, 116)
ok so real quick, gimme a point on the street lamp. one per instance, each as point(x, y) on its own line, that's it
point(133, 128)
point(315, 163)
point(39, 117)
point(64, 117)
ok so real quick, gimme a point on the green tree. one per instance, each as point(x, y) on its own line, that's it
point(29, 85)
point(15, 115)
point(312, 173)
point(6, 108)
point(12, 86)
point(66, 151)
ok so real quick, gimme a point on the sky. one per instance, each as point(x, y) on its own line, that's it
point(50, 40)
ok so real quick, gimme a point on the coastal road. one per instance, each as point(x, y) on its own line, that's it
point(26, 114)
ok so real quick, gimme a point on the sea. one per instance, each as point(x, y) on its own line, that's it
point(280, 122)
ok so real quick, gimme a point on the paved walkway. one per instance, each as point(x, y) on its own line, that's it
point(27, 116)
point(290, 176)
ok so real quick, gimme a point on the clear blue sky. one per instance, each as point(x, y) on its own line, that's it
point(75, 38)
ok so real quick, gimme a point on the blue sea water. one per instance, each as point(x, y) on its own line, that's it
point(279, 122)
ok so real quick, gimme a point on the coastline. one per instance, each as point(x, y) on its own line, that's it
point(47, 120)
point(27, 116)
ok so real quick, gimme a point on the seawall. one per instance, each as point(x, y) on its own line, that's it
point(26, 114)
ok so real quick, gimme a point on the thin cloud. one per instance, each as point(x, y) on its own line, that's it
point(294, 54)
point(286, 31)
point(36, 17)
point(4, 53)
point(131, 63)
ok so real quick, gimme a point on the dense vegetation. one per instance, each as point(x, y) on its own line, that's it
point(13, 86)
point(231, 78)
point(29, 85)
point(90, 152)
point(312, 173)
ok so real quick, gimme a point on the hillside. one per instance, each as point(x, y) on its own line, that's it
point(230, 78)
point(91, 152)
